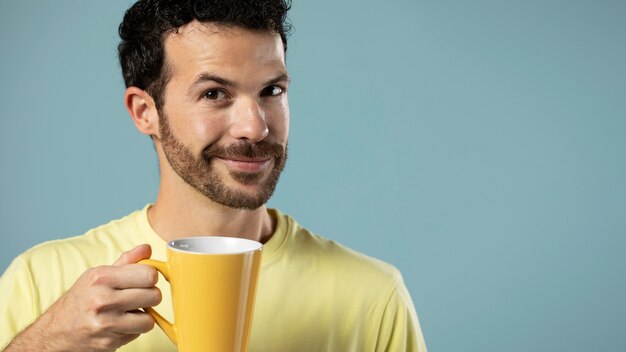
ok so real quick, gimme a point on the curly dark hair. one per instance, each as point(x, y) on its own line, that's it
point(141, 51)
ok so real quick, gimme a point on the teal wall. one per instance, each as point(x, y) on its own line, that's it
point(479, 146)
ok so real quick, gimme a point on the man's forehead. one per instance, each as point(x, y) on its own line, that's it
point(209, 41)
point(200, 49)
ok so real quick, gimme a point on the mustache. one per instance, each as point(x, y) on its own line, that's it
point(260, 149)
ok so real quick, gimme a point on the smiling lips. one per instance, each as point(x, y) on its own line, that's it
point(243, 164)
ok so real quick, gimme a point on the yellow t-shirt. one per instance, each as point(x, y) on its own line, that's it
point(313, 294)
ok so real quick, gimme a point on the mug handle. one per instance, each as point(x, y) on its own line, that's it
point(168, 328)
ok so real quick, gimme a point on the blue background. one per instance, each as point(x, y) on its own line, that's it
point(479, 146)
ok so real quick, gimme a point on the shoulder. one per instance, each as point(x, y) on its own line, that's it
point(341, 262)
point(37, 277)
point(97, 246)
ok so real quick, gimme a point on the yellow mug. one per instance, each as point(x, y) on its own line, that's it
point(213, 282)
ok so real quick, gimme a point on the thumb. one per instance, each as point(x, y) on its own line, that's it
point(143, 251)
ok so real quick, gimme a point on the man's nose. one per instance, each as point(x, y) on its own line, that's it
point(249, 121)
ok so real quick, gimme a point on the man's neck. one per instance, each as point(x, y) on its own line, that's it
point(175, 216)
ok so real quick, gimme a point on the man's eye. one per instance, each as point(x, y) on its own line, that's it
point(215, 94)
point(272, 91)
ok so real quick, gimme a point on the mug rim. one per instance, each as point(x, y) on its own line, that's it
point(234, 245)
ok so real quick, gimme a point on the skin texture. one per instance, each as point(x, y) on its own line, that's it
point(202, 117)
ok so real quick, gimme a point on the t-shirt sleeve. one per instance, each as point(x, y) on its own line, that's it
point(400, 330)
point(16, 303)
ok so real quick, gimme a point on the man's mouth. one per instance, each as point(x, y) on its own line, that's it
point(245, 157)
point(245, 164)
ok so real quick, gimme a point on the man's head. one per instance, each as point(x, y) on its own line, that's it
point(207, 80)
point(145, 24)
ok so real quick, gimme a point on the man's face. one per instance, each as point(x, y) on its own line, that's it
point(225, 118)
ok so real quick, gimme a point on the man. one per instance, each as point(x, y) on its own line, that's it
point(207, 81)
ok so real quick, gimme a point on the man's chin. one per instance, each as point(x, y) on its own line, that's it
point(243, 201)
point(240, 189)
point(248, 179)
point(239, 195)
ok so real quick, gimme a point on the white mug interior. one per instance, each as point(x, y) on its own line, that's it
point(214, 245)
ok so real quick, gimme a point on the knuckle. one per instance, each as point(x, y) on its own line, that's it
point(99, 276)
point(88, 275)
point(99, 304)
point(158, 296)
point(153, 276)
point(105, 344)
point(98, 325)
point(125, 254)
point(146, 324)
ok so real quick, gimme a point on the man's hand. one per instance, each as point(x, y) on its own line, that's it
point(99, 312)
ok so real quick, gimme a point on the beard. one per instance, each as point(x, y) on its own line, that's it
point(201, 174)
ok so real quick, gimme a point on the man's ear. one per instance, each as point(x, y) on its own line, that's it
point(142, 110)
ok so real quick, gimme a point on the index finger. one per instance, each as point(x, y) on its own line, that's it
point(143, 251)
point(134, 276)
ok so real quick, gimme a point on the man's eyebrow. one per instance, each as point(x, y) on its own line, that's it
point(284, 77)
point(206, 77)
